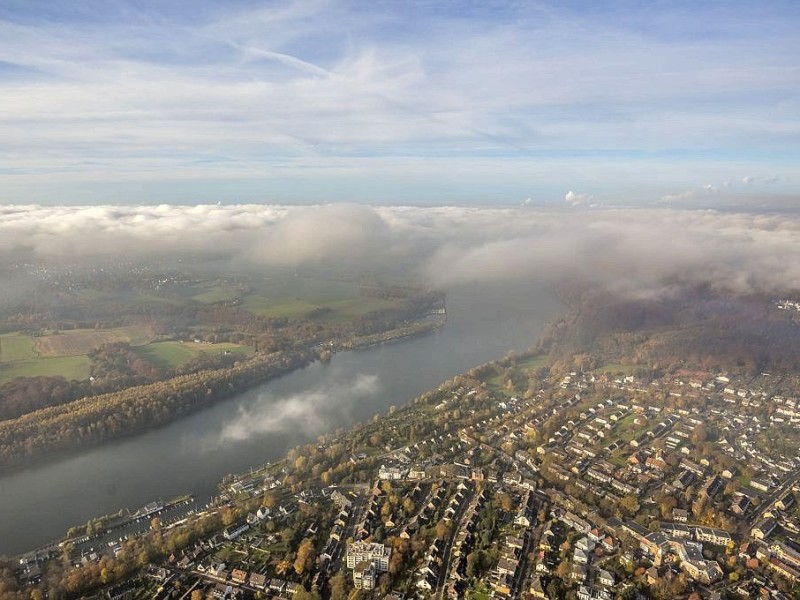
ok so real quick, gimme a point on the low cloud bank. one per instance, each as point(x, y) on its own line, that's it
point(313, 411)
point(633, 251)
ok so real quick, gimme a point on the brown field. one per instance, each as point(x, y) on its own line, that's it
point(83, 341)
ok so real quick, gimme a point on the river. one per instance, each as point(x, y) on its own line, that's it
point(192, 455)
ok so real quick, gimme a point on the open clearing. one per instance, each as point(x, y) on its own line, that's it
point(614, 368)
point(534, 362)
point(171, 354)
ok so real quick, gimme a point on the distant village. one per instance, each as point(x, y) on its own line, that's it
point(506, 482)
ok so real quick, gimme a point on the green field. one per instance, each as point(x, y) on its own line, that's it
point(19, 359)
point(341, 309)
point(614, 368)
point(16, 346)
point(171, 354)
point(65, 353)
point(535, 362)
point(288, 287)
point(69, 367)
point(218, 293)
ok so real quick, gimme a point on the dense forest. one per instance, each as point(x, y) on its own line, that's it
point(689, 327)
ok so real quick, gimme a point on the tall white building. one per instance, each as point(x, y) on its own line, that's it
point(361, 551)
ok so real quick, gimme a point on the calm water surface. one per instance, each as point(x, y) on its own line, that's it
point(193, 454)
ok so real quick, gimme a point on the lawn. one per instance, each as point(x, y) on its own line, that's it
point(535, 362)
point(496, 383)
point(614, 368)
point(479, 592)
point(625, 430)
point(171, 354)
point(277, 548)
point(69, 367)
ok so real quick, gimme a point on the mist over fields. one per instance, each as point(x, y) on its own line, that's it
point(640, 252)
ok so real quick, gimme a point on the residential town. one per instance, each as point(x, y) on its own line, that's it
point(506, 482)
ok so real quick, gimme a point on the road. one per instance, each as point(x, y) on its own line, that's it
point(444, 572)
point(767, 500)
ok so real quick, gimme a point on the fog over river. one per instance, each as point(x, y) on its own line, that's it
point(193, 454)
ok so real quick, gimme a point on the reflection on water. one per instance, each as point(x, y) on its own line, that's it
point(193, 454)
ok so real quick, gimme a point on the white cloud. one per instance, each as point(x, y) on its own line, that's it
point(252, 92)
point(679, 196)
point(749, 179)
point(575, 198)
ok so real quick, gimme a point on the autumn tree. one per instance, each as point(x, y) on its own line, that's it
point(339, 586)
point(306, 555)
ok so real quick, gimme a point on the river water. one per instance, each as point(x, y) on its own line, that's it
point(192, 455)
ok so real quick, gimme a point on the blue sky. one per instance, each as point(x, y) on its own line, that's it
point(398, 102)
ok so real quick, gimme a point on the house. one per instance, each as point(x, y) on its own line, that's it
point(504, 585)
point(680, 515)
point(580, 557)
point(123, 590)
point(507, 566)
point(683, 480)
point(782, 568)
point(342, 501)
point(763, 485)
point(277, 586)
point(238, 576)
point(578, 573)
point(763, 528)
point(740, 504)
point(536, 588)
point(258, 581)
point(234, 531)
point(785, 502)
point(427, 583)
point(712, 486)
point(605, 578)
point(522, 521)
point(391, 473)
point(786, 554)
point(609, 544)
